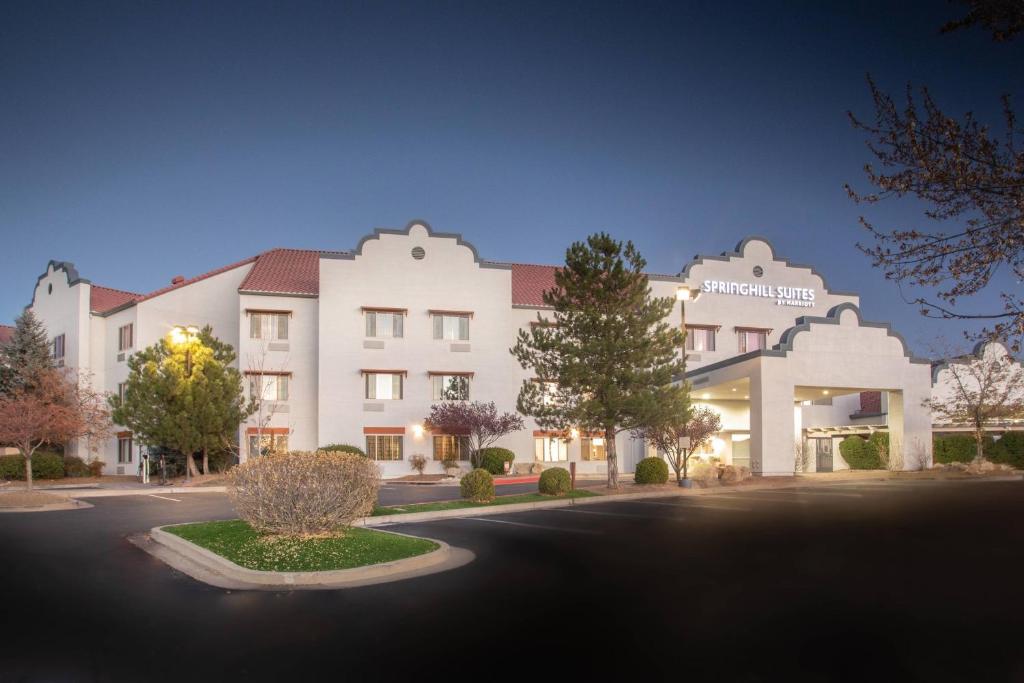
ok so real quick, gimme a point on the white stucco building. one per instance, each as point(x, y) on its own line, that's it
point(354, 347)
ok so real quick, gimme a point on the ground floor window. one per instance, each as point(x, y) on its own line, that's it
point(384, 446)
point(264, 444)
point(550, 449)
point(124, 449)
point(448, 447)
point(593, 448)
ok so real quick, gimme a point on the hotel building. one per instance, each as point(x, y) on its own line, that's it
point(355, 346)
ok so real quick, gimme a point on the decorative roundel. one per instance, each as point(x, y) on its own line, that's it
point(49, 288)
point(758, 271)
point(418, 253)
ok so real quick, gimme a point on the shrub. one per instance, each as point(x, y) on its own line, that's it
point(45, 465)
point(555, 481)
point(342, 448)
point(705, 473)
point(219, 461)
point(418, 463)
point(12, 467)
point(478, 486)
point(859, 454)
point(493, 459)
point(651, 471)
point(96, 468)
point(301, 493)
point(880, 442)
point(450, 464)
point(1009, 450)
point(734, 473)
point(75, 467)
point(961, 448)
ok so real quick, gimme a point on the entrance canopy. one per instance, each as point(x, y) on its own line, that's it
point(821, 357)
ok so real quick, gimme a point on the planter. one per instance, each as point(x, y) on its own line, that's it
point(686, 483)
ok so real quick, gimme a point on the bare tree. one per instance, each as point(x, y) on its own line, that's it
point(979, 390)
point(264, 405)
point(967, 176)
point(480, 422)
point(698, 424)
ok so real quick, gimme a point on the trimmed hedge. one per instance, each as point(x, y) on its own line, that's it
point(478, 486)
point(44, 466)
point(493, 459)
point(651, 471)
point(860, 454)
point(960, 448)
point(1009, 450)
point(342, 448)
point(555, 481)
point(75, 467)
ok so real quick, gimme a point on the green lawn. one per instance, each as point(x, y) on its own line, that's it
point(238, 542)
point(460, 504)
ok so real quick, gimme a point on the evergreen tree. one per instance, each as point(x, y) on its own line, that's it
point(607, 359)
point(25, 355)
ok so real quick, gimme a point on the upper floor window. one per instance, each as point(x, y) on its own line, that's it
point(267, 387)
point(126, 337)
point(385, 322)
point(451, 325)
point(752, 338)
point(58, 347)
point(383, 384)
point(450, 387)
point(700, 337)
point(122, 390)
point(270, 325)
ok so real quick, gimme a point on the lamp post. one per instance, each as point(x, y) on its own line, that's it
point(684, 294)
point(186, 335)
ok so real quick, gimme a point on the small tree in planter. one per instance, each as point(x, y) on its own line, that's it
point(418, 463)
point(699, 425)
point(451, 467)
point(480, 421)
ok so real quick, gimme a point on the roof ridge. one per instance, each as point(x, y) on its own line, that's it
point(115, 289)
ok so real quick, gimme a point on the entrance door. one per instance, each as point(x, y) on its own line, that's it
point(823, 454)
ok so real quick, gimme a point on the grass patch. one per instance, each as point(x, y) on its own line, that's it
point(235, 540)
point(461, 504)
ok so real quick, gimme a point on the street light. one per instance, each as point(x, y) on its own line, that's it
point(185, 335)
point(684, 294)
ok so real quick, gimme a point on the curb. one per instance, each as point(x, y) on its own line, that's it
point(71, 504)
point(106, 493)
point(486, 511)
point(445, 557)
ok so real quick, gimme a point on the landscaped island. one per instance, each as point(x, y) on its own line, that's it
point(460, 504)
point(238, 542)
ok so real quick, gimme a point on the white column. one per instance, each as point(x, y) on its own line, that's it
point(771, 421)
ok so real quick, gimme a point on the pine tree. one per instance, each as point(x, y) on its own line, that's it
point(607, 360)
point(25, 355)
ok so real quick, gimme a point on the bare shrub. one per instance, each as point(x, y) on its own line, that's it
point(705, 473)
point(733, 474)
point(419, 463)
point(302, 493)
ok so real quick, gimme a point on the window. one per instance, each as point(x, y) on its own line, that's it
point(266, 443)
point(272, 325)
point(752, 339)
point(269, 387)
point(385, 323)
point(449, 447)
point(452, 325)
point(122, 390)
point(125, 337)
point(124, 449)
point(383, 385)
point(384, 446)
point(593, 448)
point(700, 338)
point(550, 449)
point(449, 387)
point(58, 347)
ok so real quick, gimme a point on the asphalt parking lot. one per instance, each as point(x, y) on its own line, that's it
point(889, 581)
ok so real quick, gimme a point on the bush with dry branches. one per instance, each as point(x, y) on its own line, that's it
point(302, 493)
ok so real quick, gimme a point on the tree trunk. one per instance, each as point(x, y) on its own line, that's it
point(613, 461)
point(190, 466)
point(979, 451)
point(28, 472)
point(206, 461)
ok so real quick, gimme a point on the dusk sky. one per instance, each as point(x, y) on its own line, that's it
point(143, 140)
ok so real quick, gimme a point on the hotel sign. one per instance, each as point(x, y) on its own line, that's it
point(783, 295)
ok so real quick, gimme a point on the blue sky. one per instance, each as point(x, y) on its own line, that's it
point(145, 140)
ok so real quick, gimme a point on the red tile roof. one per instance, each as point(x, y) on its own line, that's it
point(285, 271)
point(529, 283)
point(103, 299)
point(6, 332)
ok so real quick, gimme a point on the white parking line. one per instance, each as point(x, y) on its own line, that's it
point(532, 526)
point(813, 493)
point(153, 495)
point(603, 514)
point(751, 498)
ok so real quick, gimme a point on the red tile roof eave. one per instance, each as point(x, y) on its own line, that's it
point(6, 332)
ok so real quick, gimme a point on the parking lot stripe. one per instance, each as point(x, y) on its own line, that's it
point(596, 512)
point(751, 498)
point(688, 504)
point(802, 492)
point(153, 495)
point(590, 532)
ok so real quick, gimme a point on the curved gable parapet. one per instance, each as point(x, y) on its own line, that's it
point(977, 352)
point(740, 252)
point(833, 317)
point(70, 272)
point(376, 234)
